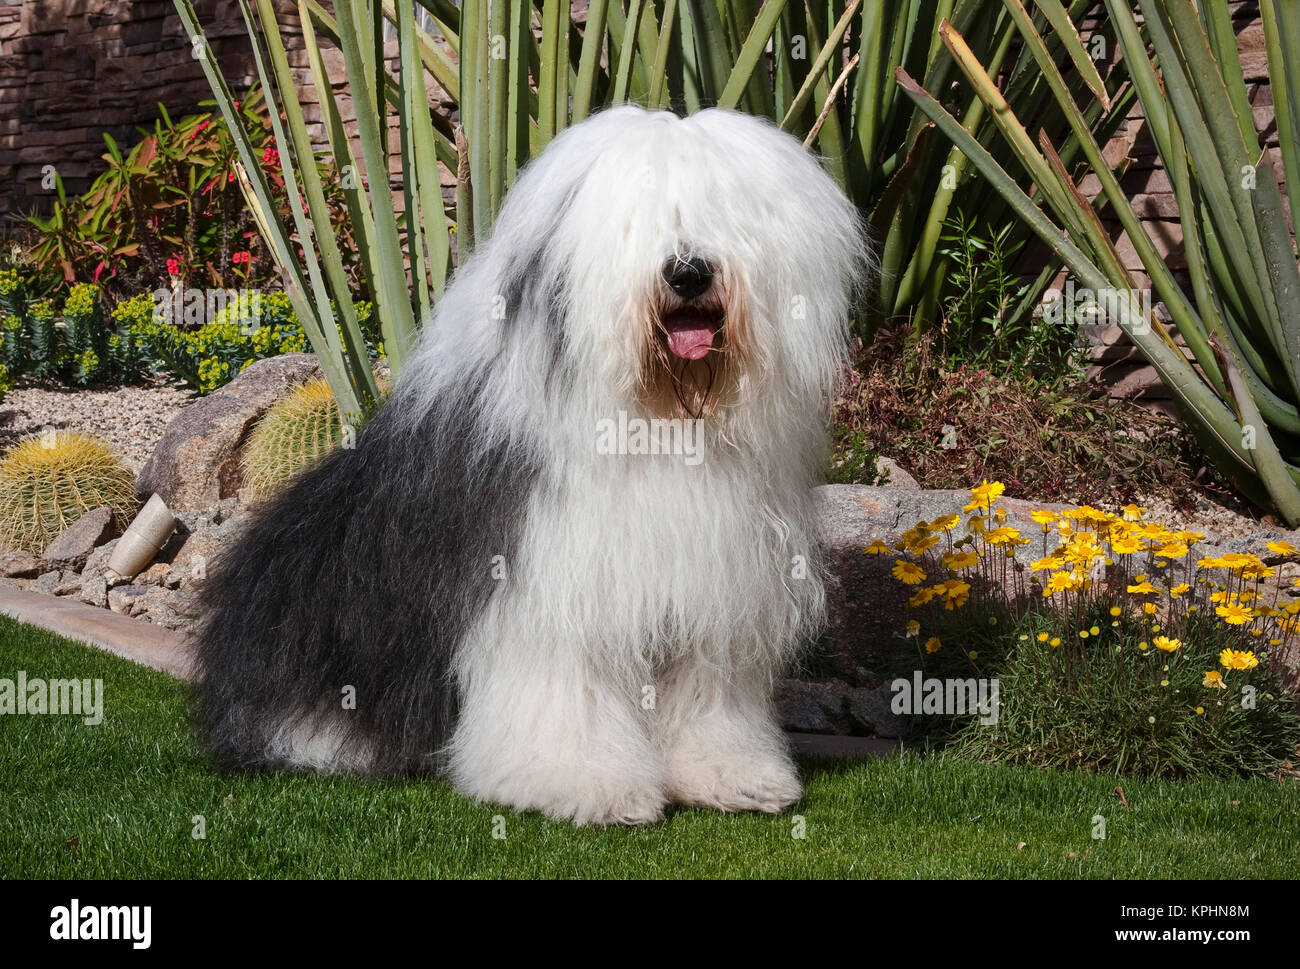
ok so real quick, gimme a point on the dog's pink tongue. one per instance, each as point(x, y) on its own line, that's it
point(690, 337)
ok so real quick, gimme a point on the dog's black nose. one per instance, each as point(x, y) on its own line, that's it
point(688, 278)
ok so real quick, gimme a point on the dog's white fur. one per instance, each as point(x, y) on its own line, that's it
point(630, 660)
point(623, 657)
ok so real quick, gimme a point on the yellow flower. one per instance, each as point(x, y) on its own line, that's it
point(1238, 659)
point(947, 523)
point(932, 644)
point(1234, 614)
point(1133, 513)
point(1143, 588)
point(984, 495)
point(1056, 641)
point(908, 573)
point(1116, 611)
point(1282, 548)
point(877, 548)
point(1002, 535)
point(1061, 582)
point(954, 592)
point(1044, 518)
point(1179, 590)
point(1214, 680)
point(921, 545)
point(921, 596)
point(1149, 608)
point(960, 560)
point(977, 524)
point(1167, 644)
point(913, 627)
point(1128, 545)
point(1175, 551)
point(1042, 637)
point(1051, 562)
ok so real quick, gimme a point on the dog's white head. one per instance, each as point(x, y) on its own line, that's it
point(683, 267)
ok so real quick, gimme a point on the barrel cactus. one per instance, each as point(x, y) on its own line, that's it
point(50, 479)
point(297, 431)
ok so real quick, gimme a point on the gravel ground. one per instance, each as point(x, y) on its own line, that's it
point(131, 419)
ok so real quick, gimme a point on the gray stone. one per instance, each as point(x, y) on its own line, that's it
point(871, 713)
point(124, 598)
point(47, 582)
point(97, 561)
point(197, 462)
point(811, 707)
point(74, 544)
point(21, 564)
point(69, 584)
point(893, 475)
point(94, 590)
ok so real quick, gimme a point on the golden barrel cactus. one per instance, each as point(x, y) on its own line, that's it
point(50, 479)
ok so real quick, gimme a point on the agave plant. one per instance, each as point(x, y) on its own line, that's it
point(1241, 320)
point(521, 72)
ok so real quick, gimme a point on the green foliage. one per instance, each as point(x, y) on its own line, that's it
point(77, 348)
point(988, 321)
point(1241, 320)
point(49, 480)
point(516, 90)
point(169, 210)
point(209, 356)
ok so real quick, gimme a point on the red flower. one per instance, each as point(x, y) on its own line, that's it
point(197, 128)
point(230, 177)
point(173, 267)
point(241, 257)
point(271, 158)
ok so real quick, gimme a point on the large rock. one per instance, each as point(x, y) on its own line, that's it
point(197, 462)
point(75, 543)
point(866, 606)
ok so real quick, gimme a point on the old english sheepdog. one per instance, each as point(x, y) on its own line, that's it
point(563, 564)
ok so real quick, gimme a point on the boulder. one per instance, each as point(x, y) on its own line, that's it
point(197, 462)
point(866, 606)
point(73, 546)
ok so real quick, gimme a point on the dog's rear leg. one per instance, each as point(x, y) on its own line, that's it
point(543, 733)
point(722, 745)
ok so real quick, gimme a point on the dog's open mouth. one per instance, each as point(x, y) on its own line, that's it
point(691, 331)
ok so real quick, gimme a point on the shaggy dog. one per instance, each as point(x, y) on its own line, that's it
point(563, 564)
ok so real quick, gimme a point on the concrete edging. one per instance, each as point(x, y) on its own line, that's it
point(141, 642)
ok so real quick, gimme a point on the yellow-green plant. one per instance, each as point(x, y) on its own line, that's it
point(297, 431)
point(1240, 391)
point(50, 479)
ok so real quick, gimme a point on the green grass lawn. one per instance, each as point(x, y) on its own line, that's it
point(128, 789)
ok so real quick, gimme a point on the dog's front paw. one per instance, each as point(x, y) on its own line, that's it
point(740, 783)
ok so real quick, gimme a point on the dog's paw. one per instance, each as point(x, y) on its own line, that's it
point(742, 783)
point(626, 808)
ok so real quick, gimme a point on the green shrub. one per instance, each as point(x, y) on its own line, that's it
point(77, 348)
point(210, 356)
